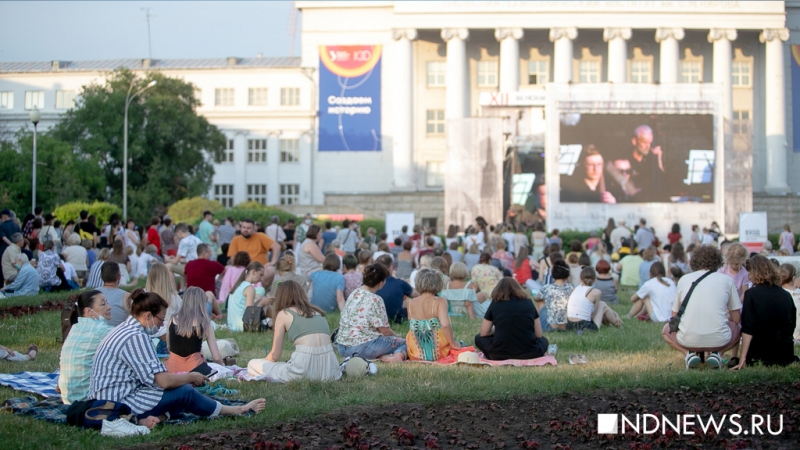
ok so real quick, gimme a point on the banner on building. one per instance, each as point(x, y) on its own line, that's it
point(350, 98)
point(796, 96)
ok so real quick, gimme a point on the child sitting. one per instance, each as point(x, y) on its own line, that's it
point(461, 294)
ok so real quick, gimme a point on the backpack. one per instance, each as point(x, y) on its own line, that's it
point(69, 317)
point(92, 413)
point(253, 319)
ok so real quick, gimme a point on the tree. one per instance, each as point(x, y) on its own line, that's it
point(170, 147)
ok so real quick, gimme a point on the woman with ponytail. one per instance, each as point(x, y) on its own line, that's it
point(655, 297)
point(126, 370)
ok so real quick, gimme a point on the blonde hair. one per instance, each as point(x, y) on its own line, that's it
point(103, 254)
point(425, 260)
point(74, 239)
point(429, 281)
point(161, 281)
point(192, 317)
point(458, 271)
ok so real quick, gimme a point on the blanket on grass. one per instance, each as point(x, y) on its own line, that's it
point(53, 410)
point(452, 358)
point(40, 383)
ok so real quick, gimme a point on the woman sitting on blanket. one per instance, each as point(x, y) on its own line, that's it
point(306, 327)
point(81, 344)
point(185, 333)
point(430, 336)
point(461, 294)
point(126, 370)
point(511, 328)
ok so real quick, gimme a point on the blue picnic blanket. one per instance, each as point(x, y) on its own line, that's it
point(41, 383)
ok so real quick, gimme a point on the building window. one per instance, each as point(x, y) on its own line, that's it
point(34, 99)
point(589, 71)
point(228, 155)
point(65, 99)
point(434, 173)
point(223, 97)
point(257, 193)
point(198, 95)
point(434, 121)
point(257, 96)
point(290, 194)
point(641, 72)
point(436, 73)
point(290, 96)
point(290, 150)
point(257, 150)
point(741, 123)
point(487, 73)
point(741, 73)
point(538, 72)
point(7, 100)
point(691, 72)
point(223, 193)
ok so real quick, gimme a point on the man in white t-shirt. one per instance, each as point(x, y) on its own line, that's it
point(710, 322)
point(187, 251)
point(618, 234)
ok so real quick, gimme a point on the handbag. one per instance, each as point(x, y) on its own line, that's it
point(253, 319)
point(675, 321)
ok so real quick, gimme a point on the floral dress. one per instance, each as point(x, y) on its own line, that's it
point(486, 277)
point(556, 299)
point(363, 313)
point(425, 339)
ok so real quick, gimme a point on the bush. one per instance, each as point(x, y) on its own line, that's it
point(379, 225)
point(252, 204)
point(190, 210)
point(101, 210)
point(261, 215)
point(775, 238)
point(567, 236)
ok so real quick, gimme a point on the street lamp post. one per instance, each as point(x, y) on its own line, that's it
point(36, 116)
point(128, 101)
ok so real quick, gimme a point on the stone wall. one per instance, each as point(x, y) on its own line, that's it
point(781, 209)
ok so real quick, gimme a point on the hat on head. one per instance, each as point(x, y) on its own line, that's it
point(470, 358)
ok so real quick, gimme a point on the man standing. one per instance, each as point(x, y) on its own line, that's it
point(644, 236)
point(257, 245)
point(110, 275)
point(9, 256)
point(202, 273)
point(205, 229)
point(274, 230)
point(618, 234)
point(226, 231)
point(153, 236)
point(302, 229)
point(328, 236)
point(348, 236)
point(187, 251)
point(7, 229)
point(168, 246)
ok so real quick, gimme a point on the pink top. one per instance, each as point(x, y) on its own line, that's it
point(232, 274)
point(740, 279)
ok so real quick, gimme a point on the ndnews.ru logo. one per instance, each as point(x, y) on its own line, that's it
point(688, 424)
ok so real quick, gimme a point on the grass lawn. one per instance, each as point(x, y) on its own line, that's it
point(633, 356)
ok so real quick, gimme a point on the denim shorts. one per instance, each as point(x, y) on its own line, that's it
point(383, 345)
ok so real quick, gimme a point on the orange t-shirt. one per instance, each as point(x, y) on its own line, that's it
point(257, 246)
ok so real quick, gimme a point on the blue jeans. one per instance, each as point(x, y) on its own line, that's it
point(383, 345)
point(543, 320)
point(185, 398)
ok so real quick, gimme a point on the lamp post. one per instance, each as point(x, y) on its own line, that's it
point(36, 116)
point(128, 101)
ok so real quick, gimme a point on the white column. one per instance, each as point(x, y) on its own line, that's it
point(775, 116)
point(669, 71)
point(240, 167)
point(457, 77)
point(617, 53)
point(721, 38)
point(562, 45)
point(403, 139)
point(273, 168)
point(509, 57)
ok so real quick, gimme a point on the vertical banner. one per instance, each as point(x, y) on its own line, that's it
point(350, 98)
point(796, 96)
point(474, 179)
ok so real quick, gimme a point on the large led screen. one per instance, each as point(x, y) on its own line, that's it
point(636, 158)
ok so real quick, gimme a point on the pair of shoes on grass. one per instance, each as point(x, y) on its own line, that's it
point(713, 361)
point(121, 428)
point(578, 359)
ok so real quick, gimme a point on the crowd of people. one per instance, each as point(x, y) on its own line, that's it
point(519, 282)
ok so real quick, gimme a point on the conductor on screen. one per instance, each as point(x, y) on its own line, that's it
point(588, 183)
point(647, 166)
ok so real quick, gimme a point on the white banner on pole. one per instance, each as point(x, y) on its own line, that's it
point(753, 230)
point(395, 222)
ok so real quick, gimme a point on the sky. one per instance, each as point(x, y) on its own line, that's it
point(75, 31)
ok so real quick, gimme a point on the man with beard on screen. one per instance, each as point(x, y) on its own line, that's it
point(619, 179)
point(647, 166)
point(587, 185)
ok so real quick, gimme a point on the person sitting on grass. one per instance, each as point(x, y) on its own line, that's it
point(48, 267)
point(787, 272)
point(734, 267)
point(306, 327)
point(6, 354)
point(585, 310)
point(238, 264)
point(554, 298)
point(394, 293)
point(606, 282)
point(511, 328)
point(353, 279)
point(185, 333)
point(462, 295)
point(126, 370)
point(26, 282)
point(202, 273)
point(79, 348)
point(485, 275)
point(472, 257)
point(710, 320)
point(649, 257)
point(430, 336)
point(655, 297)
point(327, 285)
point(94, 281)
point(244, 294)
point(628, 267)
point(364, 325)
point(769, 318)
point(285, 271)
point(546, 264)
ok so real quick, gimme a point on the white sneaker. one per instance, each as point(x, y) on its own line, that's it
point(121, 428)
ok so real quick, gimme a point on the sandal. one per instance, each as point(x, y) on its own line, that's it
point(574, 359)
point(34, 350)
point(582, 359)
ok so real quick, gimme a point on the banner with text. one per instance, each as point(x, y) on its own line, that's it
point(350, 98)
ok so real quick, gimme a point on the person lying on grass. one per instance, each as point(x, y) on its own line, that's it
point(306, 327)
point(511, 328)
point(126, 370)
point(430, 336)
point(77, 353)
point(769, 317)
point(185, 333)
point(6, 354)
point(585, 310)
point(655, 297)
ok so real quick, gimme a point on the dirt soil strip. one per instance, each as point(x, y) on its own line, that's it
point(539, 422)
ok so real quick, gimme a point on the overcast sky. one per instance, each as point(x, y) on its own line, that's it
point(73, 31)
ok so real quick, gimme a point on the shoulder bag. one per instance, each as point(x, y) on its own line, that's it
point(675, 321)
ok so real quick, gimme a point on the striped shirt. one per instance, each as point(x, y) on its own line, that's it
point(94, 280)
point(125, 367)
point(77, 355)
